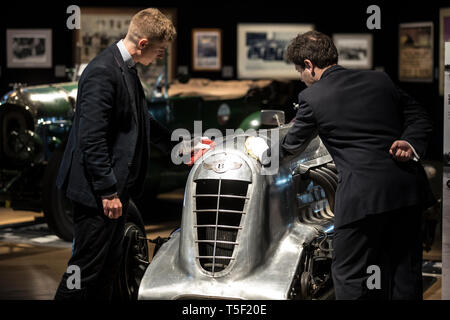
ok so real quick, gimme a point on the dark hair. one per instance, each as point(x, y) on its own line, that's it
point(312, 45)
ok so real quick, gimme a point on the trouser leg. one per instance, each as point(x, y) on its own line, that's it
point(357, 246)
point(97, 251)
point(406, 255)
point(109, 273)
point(390, 241)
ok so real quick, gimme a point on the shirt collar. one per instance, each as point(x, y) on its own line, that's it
point(126, 56)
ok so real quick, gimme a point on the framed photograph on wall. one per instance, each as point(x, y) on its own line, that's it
point(444, 36)
point(206, 49)
point(355, 50)
point(415, 52)
point(101, 27)
point(29, 48)
point(262, 47)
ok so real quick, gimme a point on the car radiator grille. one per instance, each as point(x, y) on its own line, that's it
point(219, 209)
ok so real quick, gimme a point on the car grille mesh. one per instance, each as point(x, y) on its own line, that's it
point(219, 209)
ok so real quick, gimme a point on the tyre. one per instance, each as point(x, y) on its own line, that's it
point(57, 207)
point(135, 258)
point(305, 283)
point(18, 144)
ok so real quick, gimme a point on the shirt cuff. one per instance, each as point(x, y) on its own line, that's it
point(416, 156)
point(108, 192)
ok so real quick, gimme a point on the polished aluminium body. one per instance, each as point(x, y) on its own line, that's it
point(267, 255)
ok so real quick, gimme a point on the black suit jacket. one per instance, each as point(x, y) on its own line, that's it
point(103, 137)
point(358, 115)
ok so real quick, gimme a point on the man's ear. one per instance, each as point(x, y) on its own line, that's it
point(142, 43)
point(308, 64)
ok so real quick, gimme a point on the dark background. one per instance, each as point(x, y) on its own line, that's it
point(328, 17)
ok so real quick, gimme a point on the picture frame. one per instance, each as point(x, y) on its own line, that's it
point(444, 36)
point(261, 50)
point(102, 26)
point(29, 48)
point(206, 49)
point(415, 53)
point(355, 50)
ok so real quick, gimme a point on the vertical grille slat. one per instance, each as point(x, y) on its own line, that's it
point(222, 196)
point(215, 229)
point(212, 225)
point(219, 210)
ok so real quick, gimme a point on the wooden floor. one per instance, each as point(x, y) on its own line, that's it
point(31, 266)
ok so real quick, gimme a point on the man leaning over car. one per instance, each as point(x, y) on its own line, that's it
point(375, 134)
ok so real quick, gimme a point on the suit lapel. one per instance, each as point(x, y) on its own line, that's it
point(126, 80)
point(145, 111)
point(147, 123)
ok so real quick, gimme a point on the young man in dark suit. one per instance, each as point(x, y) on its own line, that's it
point(105, 161)
point(376, 135)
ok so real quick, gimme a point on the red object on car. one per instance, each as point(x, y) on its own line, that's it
point(201, 152)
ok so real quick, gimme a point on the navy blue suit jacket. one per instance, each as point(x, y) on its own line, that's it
point(103, 137)
point(358, 115)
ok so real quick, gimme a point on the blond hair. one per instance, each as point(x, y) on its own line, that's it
point(151, 24)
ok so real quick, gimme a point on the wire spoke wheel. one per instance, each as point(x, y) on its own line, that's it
point(134, 263)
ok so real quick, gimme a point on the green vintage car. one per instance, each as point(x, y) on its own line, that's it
point(36, 120)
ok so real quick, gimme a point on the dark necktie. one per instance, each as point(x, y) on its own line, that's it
point(133, 69)
point(138, 84)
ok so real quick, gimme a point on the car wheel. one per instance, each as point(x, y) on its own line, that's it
point(135, 258)
point(57, 207)
point(305, 283)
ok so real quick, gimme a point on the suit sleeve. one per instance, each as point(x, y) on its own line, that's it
point(302, 131)
point(96, 104)
point(417, 127)
point(160, 135)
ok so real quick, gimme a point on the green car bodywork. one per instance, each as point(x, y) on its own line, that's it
point(35, 122)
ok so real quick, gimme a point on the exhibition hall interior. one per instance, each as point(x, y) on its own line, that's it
point(222, 213)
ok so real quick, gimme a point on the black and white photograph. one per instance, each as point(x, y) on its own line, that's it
point(416, 52)
point(100, 27)
point(355, 50)
point(29, 48)
point(99, 31)
point(206, 49)
point(261, 50)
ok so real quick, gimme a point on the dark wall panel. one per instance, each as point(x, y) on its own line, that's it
point(328, 17)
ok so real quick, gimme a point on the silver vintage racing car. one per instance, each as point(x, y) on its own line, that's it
point(246, 234)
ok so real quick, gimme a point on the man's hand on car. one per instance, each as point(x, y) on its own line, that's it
point(257, 147)
point(401, 151)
